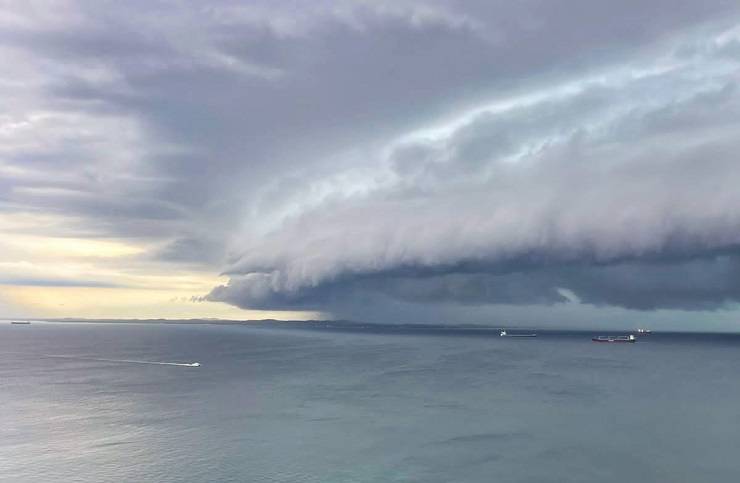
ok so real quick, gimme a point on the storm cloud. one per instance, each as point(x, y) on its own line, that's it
point(339, 156)
point(620, 188)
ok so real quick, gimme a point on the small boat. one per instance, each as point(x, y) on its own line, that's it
point(644, 331)
point(614, 338)
point(503, 333)
point(20, 322)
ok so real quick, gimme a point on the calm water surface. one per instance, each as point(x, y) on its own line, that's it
point(369, 405)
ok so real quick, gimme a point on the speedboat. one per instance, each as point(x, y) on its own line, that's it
point(503, 333)
point(614, 338)
point(644, 332)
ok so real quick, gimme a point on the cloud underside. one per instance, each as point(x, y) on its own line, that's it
point(704, 283)
point(617, 191)
point(354, 154)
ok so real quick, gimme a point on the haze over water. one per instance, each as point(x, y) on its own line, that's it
point(285, 404)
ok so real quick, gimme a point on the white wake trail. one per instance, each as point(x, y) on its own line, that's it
point(99, 359)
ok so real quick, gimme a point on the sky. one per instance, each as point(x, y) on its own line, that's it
point(533, 162)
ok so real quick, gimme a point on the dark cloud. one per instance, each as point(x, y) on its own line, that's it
point(695, 283)
point(454, 152)
point(194, 249)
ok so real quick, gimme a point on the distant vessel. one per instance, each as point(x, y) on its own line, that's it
point(614, 338)
point(20, 322)
point(506, 334)
point(644, 331)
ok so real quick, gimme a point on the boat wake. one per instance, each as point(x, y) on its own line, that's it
point(126, 361)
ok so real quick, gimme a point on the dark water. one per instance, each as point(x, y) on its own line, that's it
point(371, 405)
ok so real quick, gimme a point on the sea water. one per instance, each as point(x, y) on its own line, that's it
point(275, 403)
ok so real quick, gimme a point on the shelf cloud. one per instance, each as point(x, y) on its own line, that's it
point(358, 155)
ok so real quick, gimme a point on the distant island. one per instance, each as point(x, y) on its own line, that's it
point(339, 324)
point(205, 321)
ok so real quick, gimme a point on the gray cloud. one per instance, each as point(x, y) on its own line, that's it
point(468, 153)
point(614, 172)
point(57, 283)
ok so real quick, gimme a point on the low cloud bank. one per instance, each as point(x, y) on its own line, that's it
point(620, 189)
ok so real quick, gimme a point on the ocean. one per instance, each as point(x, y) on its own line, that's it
point(310, 403)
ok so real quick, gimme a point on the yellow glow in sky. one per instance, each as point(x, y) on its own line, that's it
point(51, 276)
point(124, 303)
point(73, 247)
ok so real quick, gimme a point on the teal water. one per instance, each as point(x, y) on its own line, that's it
point(366, 405)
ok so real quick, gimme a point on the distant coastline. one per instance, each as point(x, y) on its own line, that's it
point(171, 321)
point(325, 323)
point(352, 325)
